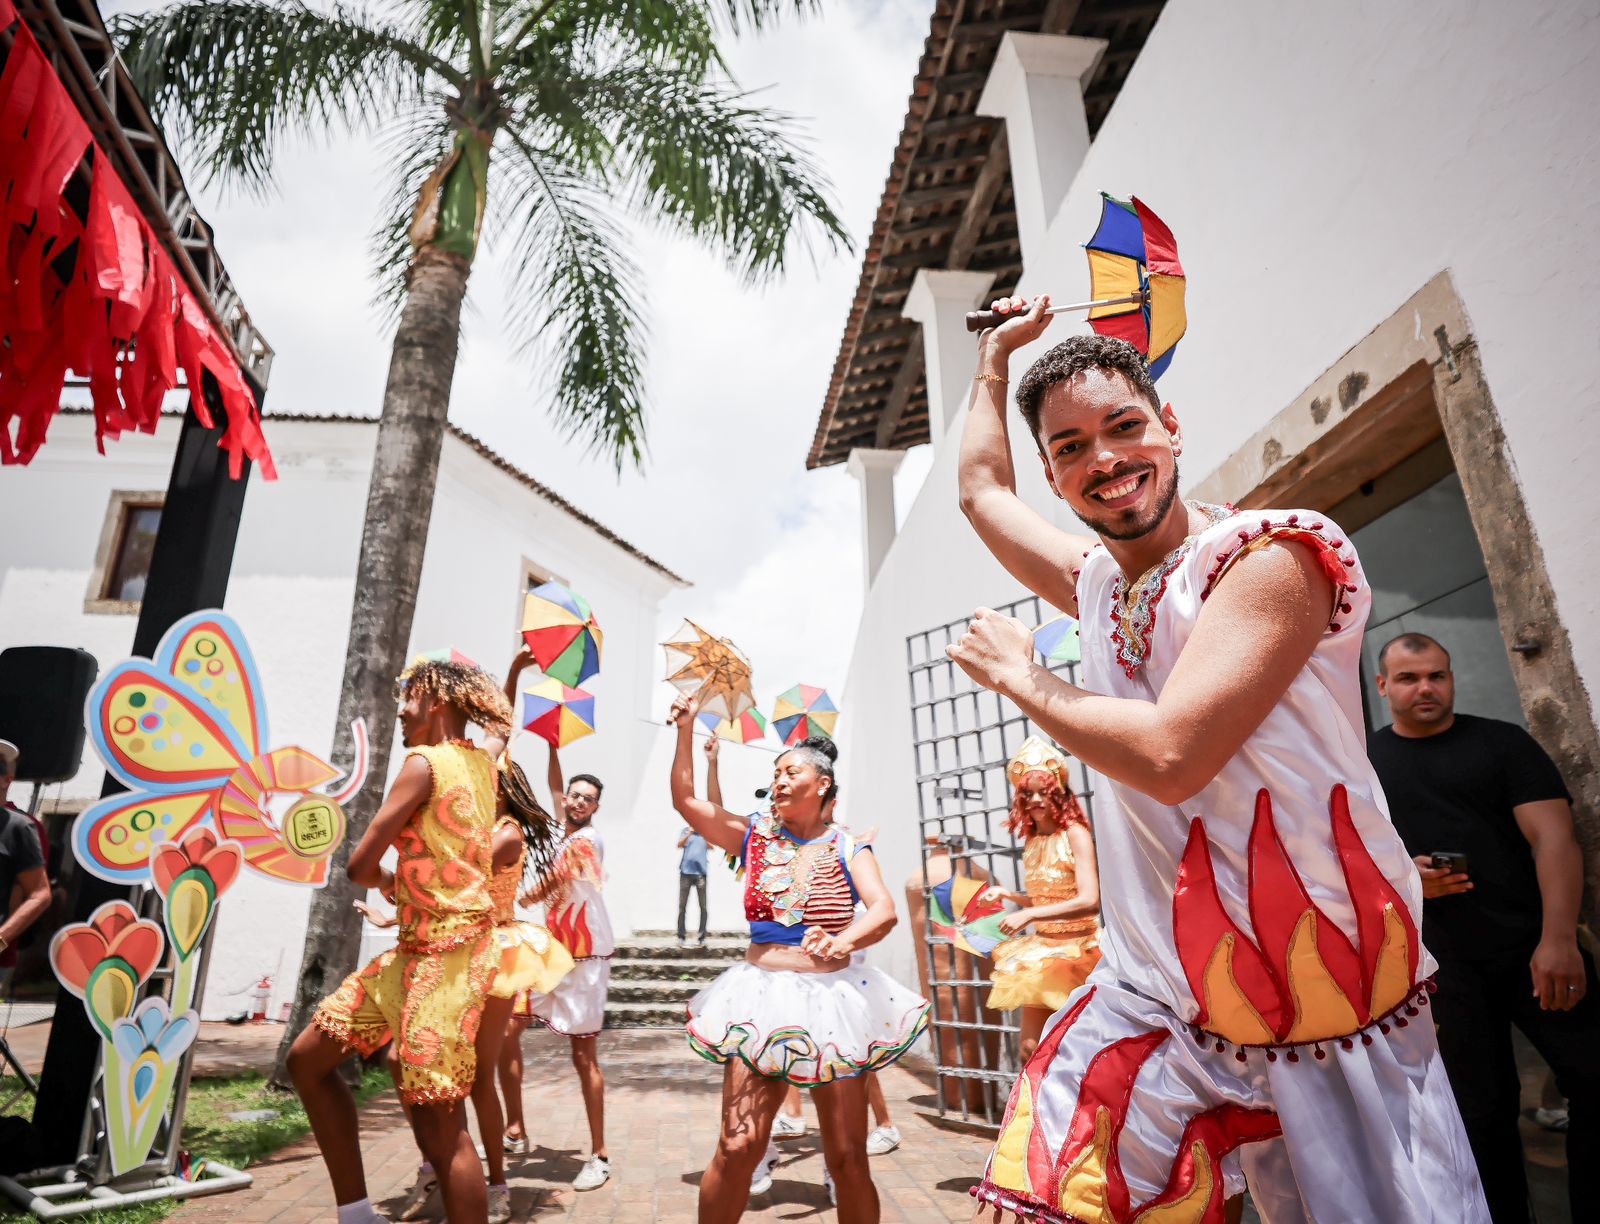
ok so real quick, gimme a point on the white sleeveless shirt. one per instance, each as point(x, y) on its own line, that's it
point(1267, 922)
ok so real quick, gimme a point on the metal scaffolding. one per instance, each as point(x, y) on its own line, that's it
point(963, 736)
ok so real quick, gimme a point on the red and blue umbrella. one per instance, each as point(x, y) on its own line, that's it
point(559, 627)
point(557, 712)
point(802, 712)
point(1134, 269)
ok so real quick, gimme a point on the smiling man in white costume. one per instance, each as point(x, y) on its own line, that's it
point(1258, 1016)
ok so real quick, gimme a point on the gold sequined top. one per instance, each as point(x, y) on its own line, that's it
point(441, 885)
point(503, 883)
point(1051, 876)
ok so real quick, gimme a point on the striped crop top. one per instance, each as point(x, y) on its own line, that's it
point(791, 885)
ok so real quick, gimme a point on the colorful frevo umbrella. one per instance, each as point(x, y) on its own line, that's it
point(1057, 640)
point(559, 627)
point(1133, 254)
point(746, 729)
point(447, 655)
point(802, 712)
point(556, 712)
point(1136, 283)
point(967, 912)
point(710, 669)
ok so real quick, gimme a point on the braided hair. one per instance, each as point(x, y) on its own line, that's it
point(465, 686)
point(539, 827)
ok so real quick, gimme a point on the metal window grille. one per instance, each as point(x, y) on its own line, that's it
point(963, 736)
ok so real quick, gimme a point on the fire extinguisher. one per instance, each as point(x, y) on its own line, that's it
point(259, 993)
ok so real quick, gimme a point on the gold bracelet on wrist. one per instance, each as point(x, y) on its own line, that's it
point(994, 378)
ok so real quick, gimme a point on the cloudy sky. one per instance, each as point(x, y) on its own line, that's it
point(736, 377)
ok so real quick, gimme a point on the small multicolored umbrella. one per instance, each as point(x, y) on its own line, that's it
point(967, 912)
point(557, 713)
point(1057, 640)
point(709, 669)
point(559, 627)
point(746, 729)
point(802, 712)
point(448, 655)
point(1133, 254)
point(1135, 281)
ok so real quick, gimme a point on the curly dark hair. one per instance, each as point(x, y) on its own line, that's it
point(468, 688)
point(1071, 358)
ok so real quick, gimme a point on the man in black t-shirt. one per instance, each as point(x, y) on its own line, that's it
point(1502, 924)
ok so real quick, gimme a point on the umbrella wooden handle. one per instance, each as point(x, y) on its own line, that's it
point(982, 320)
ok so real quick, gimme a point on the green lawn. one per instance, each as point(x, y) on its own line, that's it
point(208, 1133)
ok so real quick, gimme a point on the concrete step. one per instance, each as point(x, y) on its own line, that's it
point(644, 1015)
point(654, 933)
point(702, 971)
point(653, 991)
point(718, 947)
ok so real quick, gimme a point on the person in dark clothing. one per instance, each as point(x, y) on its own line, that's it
point(1501, 919)
point(24, 890)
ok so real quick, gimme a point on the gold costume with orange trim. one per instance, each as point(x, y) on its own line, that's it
point(427, 993)
point(1043, 968)
point(530, 958)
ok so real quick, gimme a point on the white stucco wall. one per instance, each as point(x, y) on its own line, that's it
point(1318, 164)
point(291, 589)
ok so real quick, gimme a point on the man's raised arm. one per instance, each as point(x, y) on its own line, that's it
point(1034, 551)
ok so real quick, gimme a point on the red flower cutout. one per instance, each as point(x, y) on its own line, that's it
point(222, 861)
point(113, 930)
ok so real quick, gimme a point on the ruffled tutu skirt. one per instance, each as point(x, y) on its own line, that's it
point(807, 1028)
point(530, 960)
point(1041, 970)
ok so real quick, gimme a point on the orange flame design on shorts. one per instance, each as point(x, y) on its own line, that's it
point(1301, 978)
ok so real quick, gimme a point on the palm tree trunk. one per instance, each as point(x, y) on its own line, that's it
point(405, 468)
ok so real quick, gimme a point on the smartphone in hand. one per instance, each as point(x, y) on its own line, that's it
point(1452, 861)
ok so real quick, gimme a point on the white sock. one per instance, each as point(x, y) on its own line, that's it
point(356, 1213)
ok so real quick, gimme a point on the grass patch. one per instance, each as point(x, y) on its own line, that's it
point(209, 1133)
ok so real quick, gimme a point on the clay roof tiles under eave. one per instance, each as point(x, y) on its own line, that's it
point(947, 203)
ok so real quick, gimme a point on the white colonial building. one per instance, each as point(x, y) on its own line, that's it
point(1384, 212)
point(76, 546)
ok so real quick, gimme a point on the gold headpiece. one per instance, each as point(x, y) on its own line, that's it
point(1037, 756)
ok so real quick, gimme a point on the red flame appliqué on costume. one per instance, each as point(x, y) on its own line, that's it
point(1301, 979)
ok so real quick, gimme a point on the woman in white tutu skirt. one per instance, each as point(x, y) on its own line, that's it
point(796, 1012)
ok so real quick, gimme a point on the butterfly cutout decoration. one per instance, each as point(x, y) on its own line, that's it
point(186, 732)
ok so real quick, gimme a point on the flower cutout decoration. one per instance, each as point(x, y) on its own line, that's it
point(104, 961)
point(142, 1062)
point(191, 876)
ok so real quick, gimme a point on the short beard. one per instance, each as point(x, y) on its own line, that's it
point(1108, 529)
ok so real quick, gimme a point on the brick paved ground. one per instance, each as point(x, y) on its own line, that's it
point(661, 1123)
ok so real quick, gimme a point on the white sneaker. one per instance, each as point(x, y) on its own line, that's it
point(499, 1204)
point(788, 1126)
point(883, 1141)
point(595, 1173)
point(762, 1181)
point(517, 1146)
point(827, 1182)
point(423, 1197)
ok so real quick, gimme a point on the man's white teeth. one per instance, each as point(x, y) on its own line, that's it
point(1121, 489)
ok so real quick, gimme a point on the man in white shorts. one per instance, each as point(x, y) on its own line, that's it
point(575, 913)
point(1258, 1015)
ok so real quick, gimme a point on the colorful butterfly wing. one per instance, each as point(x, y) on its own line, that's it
point(155, 735)
point(115, 838)
point(207, 652)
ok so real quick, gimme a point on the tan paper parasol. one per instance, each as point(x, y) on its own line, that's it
point(710, 669)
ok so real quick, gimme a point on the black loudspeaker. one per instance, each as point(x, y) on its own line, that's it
point(42, 691)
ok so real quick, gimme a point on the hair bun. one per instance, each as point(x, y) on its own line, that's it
point(821, 743)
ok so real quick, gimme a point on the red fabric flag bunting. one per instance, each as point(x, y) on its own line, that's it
point(95, 295)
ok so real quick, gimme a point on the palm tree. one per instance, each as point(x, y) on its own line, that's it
point(586, 111)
